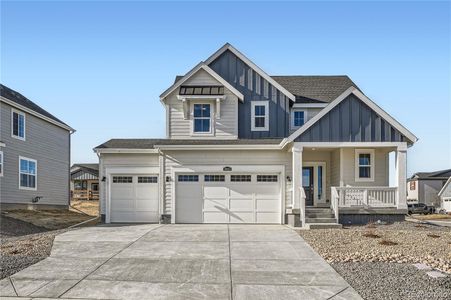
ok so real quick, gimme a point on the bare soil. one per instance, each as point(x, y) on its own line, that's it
point(88, 207)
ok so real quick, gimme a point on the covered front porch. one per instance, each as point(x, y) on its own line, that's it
point(352, 180)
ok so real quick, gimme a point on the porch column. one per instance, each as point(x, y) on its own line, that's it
point(296, 177)
point(401, 177)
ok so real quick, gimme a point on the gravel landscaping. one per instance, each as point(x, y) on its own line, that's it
point(377, 260)
point(22, 244)
point(381, 280)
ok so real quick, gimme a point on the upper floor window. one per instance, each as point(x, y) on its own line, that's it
point(260, 119)
point(18, 125)
point(364, 165)
point(298, 118)
point(1, 163)
point(202, 118)
point(27, 173)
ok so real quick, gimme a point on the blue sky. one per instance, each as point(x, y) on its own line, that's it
point(100, 66)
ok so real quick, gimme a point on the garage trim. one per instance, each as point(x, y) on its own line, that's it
point(279, 169)
point(110, 172)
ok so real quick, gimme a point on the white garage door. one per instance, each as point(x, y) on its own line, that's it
point(228, 198)
point(134, 198)
point(446, 204)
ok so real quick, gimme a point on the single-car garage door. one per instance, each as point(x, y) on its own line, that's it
point(228, 198)
point(134, 198)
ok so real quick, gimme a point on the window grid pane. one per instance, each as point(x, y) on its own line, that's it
point(147, 179)
point(240, 178)
point(122, 179)
point(215, 178)
point(267, 178)
point(190, 178)
point(298, 118)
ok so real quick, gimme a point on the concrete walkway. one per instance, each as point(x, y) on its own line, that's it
point(180, 262)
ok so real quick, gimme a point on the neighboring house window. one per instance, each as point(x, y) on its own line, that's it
point(299, 117)
point(81, 185)
point(412, 185)
point(260, 120)
point(364, 165)
point(202, 118)
point(1, 163)
point(18, 125)
point(27, 173)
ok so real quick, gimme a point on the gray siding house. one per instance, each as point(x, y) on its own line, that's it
point(242, 146)
point(34, 154)
point(424, 187)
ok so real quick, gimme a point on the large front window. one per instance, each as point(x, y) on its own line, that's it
point(27, 173)
point(364, 160)
point(18, 125)
point(260, 116)
point(202, 118)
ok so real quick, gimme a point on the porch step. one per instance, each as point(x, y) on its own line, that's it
point(320, 220)
point(318, 209)
point(323, 226)
point(319, 215)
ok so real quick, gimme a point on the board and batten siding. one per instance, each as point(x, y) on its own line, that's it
point(174, 159)
point(224, 127)
point(254, 88)
point(123, 160)
point(351, 121)
point(44, 142)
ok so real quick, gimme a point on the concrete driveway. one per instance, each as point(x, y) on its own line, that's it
point(180, 262)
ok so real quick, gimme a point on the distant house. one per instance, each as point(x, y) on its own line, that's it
point(34, 154)
point(445, 196)
point(423, 187)
point(84, 183)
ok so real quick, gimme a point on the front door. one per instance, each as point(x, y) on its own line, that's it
point(307, 184)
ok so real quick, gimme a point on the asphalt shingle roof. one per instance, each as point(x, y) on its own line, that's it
point(442, 174)
point(312, 88)
point(89, 168)
point(20, 99)
point(150, 143)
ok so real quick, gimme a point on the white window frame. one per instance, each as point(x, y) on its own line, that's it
point(292, 117)
point(20, 113)
point(266, 105)
point(1, 163)
point(357, 165)
point(35, 175)
point(212, 110)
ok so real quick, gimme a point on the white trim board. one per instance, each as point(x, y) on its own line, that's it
point(444, 187)
point(246, 60)
point(206, 68)
point(367, 101)
point(36, 114)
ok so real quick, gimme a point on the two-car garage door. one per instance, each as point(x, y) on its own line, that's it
point(228, 198)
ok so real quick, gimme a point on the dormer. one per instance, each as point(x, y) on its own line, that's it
point(201, 104)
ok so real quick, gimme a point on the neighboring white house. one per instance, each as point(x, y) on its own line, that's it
point(445, 196)
point(242, 146)
point(423, 187)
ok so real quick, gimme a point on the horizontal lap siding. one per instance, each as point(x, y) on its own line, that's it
point(46, 143)
point(351, 121)
point(195, 158)
point(225, 127)
point(254, 87)
point(381, 171)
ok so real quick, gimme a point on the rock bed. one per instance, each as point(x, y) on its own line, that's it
point(403, 242)
point(382, 280)
point(19, 252)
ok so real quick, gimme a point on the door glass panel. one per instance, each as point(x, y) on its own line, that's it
point(320, 182)
point(306, 177)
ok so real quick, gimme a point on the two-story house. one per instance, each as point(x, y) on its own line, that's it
point(34, 154)
point(246, 147)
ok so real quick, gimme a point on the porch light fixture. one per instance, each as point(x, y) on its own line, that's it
point(168, 178)
point(103, 179)
point(288, 178)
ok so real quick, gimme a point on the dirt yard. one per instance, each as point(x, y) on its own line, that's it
point(432, 217)
point(88, 207)
point(49, 219)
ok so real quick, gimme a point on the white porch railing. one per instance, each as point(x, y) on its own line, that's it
point(302, 205)
point(364, 196)
point(334, 202)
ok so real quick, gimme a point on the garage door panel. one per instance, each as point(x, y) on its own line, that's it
point(215, 191)
point(267, 217)
point(215, 217)
point(242, 217)
point(266, 204)
point(122, 192)
point(215, 204)
point(242, 205)
point(242, 190)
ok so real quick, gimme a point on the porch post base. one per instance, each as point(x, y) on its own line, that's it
point(293, 220)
